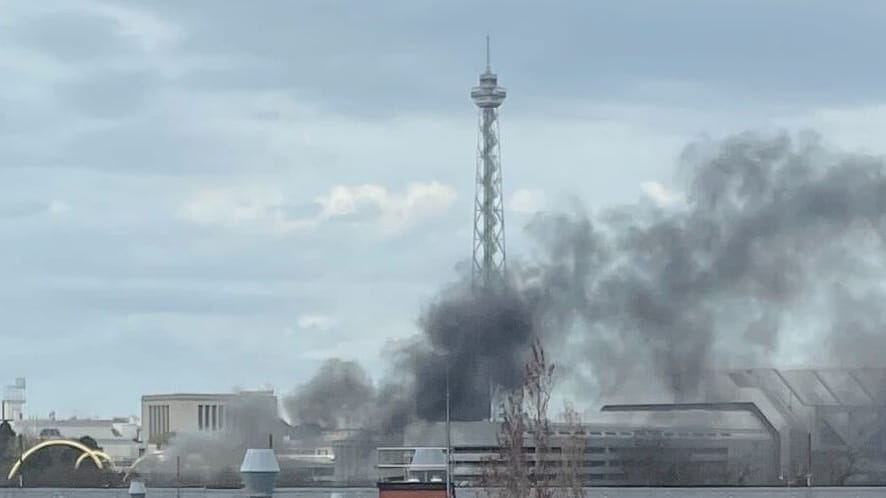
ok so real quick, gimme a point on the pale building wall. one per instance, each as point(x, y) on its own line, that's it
point(167, 414)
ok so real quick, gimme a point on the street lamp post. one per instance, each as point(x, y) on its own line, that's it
point(448, 438)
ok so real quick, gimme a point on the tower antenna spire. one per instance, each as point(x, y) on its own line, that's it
point(488, 58)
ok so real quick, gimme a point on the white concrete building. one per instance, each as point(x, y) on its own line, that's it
point(165, 415)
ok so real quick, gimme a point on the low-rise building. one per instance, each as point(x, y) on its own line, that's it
point(117, 437)
point(165, 415)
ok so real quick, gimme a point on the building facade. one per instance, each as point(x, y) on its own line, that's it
point(696, 447)
point(741, 427)
point(165, 415)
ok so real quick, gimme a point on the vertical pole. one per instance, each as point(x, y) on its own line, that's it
point(809, 462)
point(178, 476)
point(448, 438)
point(270, 441)
point(491, 399)
point(21, 466)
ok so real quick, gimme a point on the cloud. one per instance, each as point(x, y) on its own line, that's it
point(394, 211)
point(268, 209)
point(257, 208)
point(527, 201)
point(150, 31)
point(858, 128)
point(58, 207)
point(661, 195)
point(18, 210)
point(315, 321)
point(92, 29)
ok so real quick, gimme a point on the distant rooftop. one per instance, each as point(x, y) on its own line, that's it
point(205, 396)
point(810, 387)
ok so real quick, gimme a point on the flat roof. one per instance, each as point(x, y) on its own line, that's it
point(70, 422)
point(203, 396)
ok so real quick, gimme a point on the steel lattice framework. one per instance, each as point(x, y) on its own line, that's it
point(489, 262)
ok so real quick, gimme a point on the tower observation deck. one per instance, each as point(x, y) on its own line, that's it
point(489, 265)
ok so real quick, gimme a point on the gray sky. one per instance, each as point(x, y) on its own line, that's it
point(208, 194)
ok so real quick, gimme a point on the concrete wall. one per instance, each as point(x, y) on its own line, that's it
point(184, 415)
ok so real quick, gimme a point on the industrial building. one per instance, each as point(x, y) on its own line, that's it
point(826, 423)
point(744, 427)
point(616, 449)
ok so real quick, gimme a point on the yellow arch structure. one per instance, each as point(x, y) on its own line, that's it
point(135, 464)
point(54, 442)
point(101, 454)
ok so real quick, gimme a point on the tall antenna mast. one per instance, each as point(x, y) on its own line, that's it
point(489, 267)
point(488, 58)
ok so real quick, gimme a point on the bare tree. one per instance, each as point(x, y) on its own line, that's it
point(539, 383)
point(506, 475)
point(510, 474)
point(573, 453)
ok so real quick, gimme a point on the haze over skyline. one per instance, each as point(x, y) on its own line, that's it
point(203, 195)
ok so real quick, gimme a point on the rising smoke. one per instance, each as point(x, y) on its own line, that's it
point(775, 252)
point(477, 338)
point(249, 423)
point(340, 395)
point(778, 239)
point(336, 396)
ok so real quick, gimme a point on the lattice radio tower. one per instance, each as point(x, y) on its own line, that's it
point(489, 267)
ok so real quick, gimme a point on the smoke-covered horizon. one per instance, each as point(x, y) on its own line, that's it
point(778, 237)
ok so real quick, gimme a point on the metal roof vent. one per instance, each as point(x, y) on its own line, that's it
point(137, 489)
point(259, 472)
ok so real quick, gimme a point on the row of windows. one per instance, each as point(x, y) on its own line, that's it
point(584, 477)
point(640, 433)
point(648, 434)
point(583, 463)
point(587, 450)
point(158, 421)
point(316, 452)
point(210, 417)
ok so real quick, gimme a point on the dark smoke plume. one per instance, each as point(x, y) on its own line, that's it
point(480, 340)
point(341, 395)
point(777, 238)
point(769, 227)
point(775, 234)
point(338, 394)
